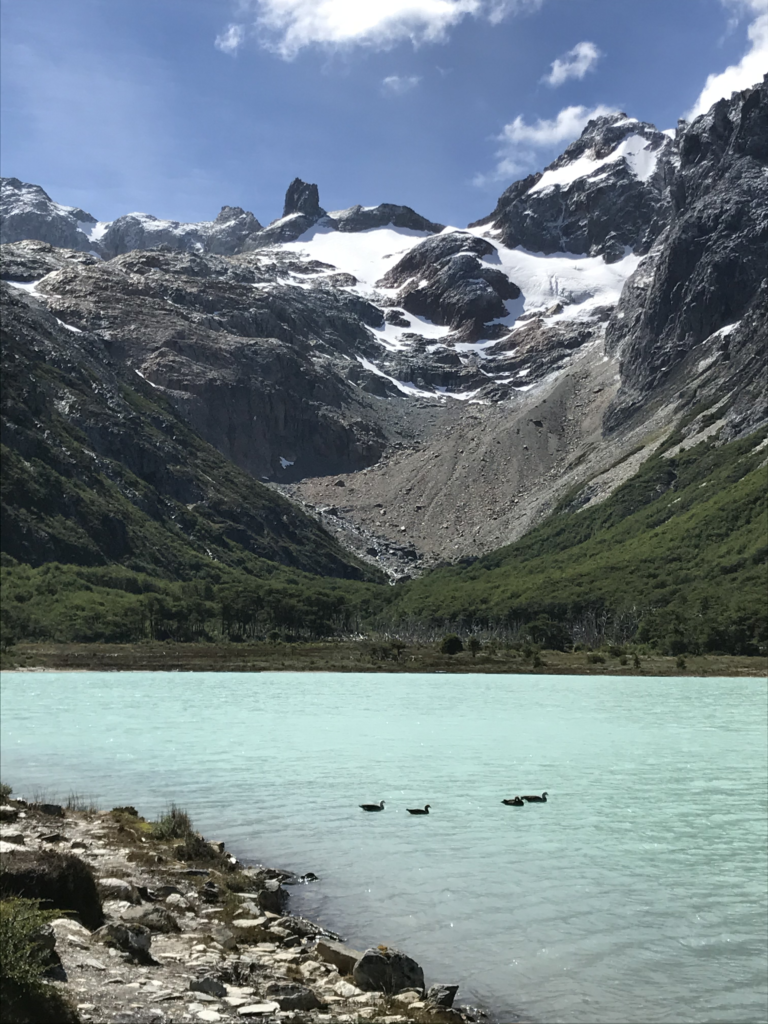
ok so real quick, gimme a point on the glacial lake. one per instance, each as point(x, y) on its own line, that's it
point(636, 893)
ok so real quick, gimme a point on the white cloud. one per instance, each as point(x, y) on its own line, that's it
point(288, 26)
point(231, 40)
point(396, 85)
point(520, 141)
point(750, 69)
point(574, 64)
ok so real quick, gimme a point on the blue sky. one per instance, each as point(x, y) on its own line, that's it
point(176, 107)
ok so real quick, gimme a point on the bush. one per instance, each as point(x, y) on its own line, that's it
point(23, 960)
point(174, 824)
point(451, 644)
point(474, 646)
point(595, 658)
point(5, 791)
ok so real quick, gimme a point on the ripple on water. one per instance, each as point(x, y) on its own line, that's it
point(637, 893)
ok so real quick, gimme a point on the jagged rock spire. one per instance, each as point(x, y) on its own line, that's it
point(302, 198)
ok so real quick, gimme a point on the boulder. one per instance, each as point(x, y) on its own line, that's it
point(293, 997)
point(273, 897)
point(118, 889)
point(156, 918)
point(208, 985)
point(441, 995)
point(250, 929)
point(8, 813)
point(8, 836)
point(134, 939)
point(338, 954)
point(61, 880)
point(387, 970)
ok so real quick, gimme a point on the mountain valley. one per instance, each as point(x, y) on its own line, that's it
point(366, 395)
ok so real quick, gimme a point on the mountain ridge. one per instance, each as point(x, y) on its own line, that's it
point(429, 394)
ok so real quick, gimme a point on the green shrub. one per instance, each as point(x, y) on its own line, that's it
point(174, 824)
point(22, 958)
point(595, 658)
point(451, 644)
point(5, 791)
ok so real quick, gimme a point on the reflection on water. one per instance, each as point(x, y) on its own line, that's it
point(636, 893)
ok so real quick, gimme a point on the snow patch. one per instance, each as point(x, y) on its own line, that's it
point(635, 150)
point(69, 327)
point(146, 379)
point(26, 286)
point(367, 255)
point(285, 463)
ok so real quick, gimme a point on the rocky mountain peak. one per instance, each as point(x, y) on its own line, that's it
point(303, 198)
point(607, 192)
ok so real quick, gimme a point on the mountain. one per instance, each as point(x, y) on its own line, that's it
point(426, 394)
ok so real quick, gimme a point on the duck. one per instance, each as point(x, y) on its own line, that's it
point(517, 802)
point(418, 810)
point(536, 799)
point(375, 807)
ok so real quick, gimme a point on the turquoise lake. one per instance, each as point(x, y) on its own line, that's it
point(636, 893)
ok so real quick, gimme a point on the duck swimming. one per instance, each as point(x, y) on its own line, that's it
point(536, 799)
point(517, 802)
point(418, 810)
point(373, 807)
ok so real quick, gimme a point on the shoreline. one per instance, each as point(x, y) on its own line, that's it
point(191, 933)
point(369, 657)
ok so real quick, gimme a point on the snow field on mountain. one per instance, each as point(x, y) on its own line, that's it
point(580, 283)
point(366, 254)
point(635, 150)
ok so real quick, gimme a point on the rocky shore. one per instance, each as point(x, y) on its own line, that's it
point(158, 927)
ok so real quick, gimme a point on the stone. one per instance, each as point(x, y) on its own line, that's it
point(8, 812)
point(250, 929)
point(211, 986)
point(8, 836)
point(118, 889)
point(134, 939)
point(258, 1009)
point(387, 970)
point(441, 995)
point(156, 918)
point(273, 897)
point(208, 1015)
point(52, 837)
point(408, 997)
point(346, 990)
point(338, 954)
point(292, 997)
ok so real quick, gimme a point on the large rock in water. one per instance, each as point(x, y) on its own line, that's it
point(387, 970)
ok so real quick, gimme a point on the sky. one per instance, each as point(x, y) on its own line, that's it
point(178, 107)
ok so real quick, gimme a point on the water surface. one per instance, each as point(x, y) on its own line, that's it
point(637, 893)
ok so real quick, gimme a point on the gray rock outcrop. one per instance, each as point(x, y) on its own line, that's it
point(386, 969)
point(610, 189)
point(443, 279)
point(707, 271)
point(27, 211)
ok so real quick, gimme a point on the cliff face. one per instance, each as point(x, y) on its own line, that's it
point(701, 290)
